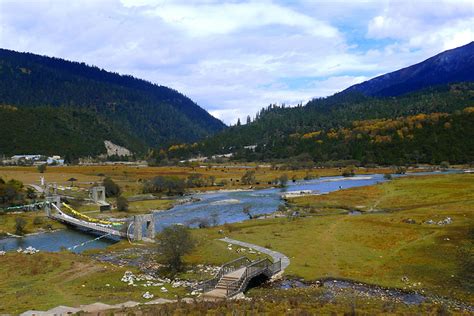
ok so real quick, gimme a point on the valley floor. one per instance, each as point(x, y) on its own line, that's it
point(402, 239)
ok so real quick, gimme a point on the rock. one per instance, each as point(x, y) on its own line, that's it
point(405, 279)
point(429, 222)
point(2, 253)
point(129, 277)
point(163, 289)
point(409, 221)
point(445, 221)
point(29, 250)
point(147, 295)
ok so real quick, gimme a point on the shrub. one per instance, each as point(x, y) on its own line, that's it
point(111, 188)
point(173, 243)
point(38, 220)
point(41, 168)
point(283, 180)
point(248, 177)
point(444, 165)
point(20, 224)
point(122, 204)
point(168, 185)
point(348, 172)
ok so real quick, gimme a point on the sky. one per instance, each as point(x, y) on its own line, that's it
point(235, 57)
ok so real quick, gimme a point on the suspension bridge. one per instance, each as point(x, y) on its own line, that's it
point(137, 227)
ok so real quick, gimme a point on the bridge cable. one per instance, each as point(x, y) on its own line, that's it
point(88, 241)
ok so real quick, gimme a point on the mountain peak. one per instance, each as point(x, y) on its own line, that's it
point(454, 65)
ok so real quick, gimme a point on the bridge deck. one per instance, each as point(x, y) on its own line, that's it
point(90, 226)
point(233, 277)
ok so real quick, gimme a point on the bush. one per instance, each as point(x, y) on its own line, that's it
point(173, 243)
point(348, 172)
point(111, 188)
point(248, 177)
point(20, 224)
point(41, 168)
point(444, 165)
point(283, 180)
point(38, 220)
point(387, 176)
point(168, 185)
point(400, 170)
point(122, 204)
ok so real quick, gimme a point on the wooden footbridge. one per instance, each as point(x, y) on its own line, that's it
point(234, 277)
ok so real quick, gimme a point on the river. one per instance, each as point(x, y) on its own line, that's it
point(226, 205)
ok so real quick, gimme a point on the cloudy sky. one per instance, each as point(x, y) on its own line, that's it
point(234, 57)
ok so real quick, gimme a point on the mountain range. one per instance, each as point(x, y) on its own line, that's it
point(95, 105)
point(400, 100)
point(455, 65)
point(53, 106)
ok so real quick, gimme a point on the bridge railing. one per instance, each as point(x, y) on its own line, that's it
point(255, 268)
point(226, 268)
point(91, 226)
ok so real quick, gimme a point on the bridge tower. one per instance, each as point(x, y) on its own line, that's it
point(141, 222)
point(52, 199)
point(97, 194)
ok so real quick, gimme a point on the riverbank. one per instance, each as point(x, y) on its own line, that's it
point(386, 248)
point(130, 179)
point(411, 240)
point(34, 222)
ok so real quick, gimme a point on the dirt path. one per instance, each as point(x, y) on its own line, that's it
point(285, 261)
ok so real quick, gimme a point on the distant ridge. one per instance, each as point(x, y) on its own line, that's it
point(422, 113)
point(454, 65)
point(138, 113)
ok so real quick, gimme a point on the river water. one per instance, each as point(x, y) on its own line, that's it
point(226, 205)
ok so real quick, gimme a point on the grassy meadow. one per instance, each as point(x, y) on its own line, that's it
point(45, 280)
point(130, 178)
point(389, 244)
point(380, 247)
point(35, 222)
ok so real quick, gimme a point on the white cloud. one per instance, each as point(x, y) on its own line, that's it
point(425, 24)
point(226, 18)
point(234, 57)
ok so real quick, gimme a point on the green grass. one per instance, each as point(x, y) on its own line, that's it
point(45, 280)
point(8, 222)
point(399, 194)
point(380, 248)
point(308, 301)
point(136, 207)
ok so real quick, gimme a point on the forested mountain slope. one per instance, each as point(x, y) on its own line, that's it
point(156, 115)
point(442, 85)
point(282, 133)
point(70, 132)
